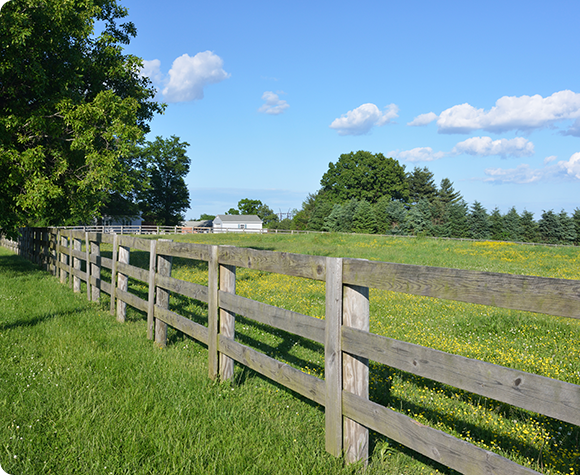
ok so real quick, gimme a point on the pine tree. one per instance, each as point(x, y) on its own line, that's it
point(395, 213)
point(549, 227)
point(567, 228)
point(418, 219)
point(456, 223)
point(364, 220)
point(512, 226)
point(497, 225)
point(576, 219)
point(333, 220)
point(421, 185)
point(479, 226)
point(529, 228)
point(322, 210)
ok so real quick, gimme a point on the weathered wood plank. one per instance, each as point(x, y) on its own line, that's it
point(186, 250)
point(101, 261)
point(227, 319)
point(106, 238)
point(188, 289)
point(114, 273)
point(79, 274)
point(212, 318)
point(77, 247)
point(302, 383)
point(292, 322)
point(298, 265)
point(190, 328)
point(135, 243)
point(355, 371)
point(333, 356)
point(122, 282)
point(88, 264)
point(102, 285)
point(162, 298)
point(151, 290)
point(76, 251)
point(439, 446)
point(535, 294)
point(95, 260)
point(132, 271)
point(131, 299)
point(547, 396)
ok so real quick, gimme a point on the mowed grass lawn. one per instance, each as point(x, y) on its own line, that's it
point(123, 404)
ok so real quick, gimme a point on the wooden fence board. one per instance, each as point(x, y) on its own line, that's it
point(227, 319)
point(135, 243)
point(131, 299)
point(540, 394)
point(298, 265)
point(79, 274)
point(151, 292)
point(439, 446)
point(188, 289)
point(292, 322)
point(77, 253)
point(102, 285)
point(164, 264)
point(212, 313)
point(190, 328)
point(99, 238)
point(308, 386)
point(187, 250)
point(559, 297)
point(133, 272)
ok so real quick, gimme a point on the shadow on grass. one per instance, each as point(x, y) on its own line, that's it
point(35, 320)
point(14, 265)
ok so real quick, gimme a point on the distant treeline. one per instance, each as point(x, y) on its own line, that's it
point(368, 193)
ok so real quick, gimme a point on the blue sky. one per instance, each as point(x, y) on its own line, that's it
point(486, 94)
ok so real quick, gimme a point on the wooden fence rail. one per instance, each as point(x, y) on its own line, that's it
point(348, 343)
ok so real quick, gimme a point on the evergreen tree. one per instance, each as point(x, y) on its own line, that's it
point(576, 220)
point(529, 228)
point(333, 220)
point(395, 213)
point(322, 209)
point(348, 210)
point(512, 225)
point(418, 219)
point(567, 228)
point(497, 225)
point(446, 193)
point(364, 220)
point(380, 208)
point(456, 223)
point(549, 227)
point(479, 226)
point(421, 185)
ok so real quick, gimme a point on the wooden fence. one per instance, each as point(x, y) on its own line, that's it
point(348, 344)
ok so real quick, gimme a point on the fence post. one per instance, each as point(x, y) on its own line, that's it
point(70, 259)
point(151, 295)
point(122, 284)
point(227, 276)
point(88, 264)
point(114, 274)
point(162, 300)
point(63, 260)
point(96, 271)
point(355, 371)
point(77, 265)
point(332, 356)
point(212, 312)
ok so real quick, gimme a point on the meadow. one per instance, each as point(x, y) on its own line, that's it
point(250, 404)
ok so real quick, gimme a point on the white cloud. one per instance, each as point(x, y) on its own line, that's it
point(419, 154)
point(485, 146)
point(523, 174)
point(512, 113)
point(572, 166)
point(152, 70)
point(189, 75)
point(274, 105)
point(550, 159)
point(423, 119)
point(362, 119)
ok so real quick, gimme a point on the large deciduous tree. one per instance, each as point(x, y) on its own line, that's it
point(165, 196)
point(72, 106)
point(364, 176)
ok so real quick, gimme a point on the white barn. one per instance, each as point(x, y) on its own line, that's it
point(225, 223)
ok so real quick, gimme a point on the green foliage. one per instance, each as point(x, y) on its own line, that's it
point(456, 222)
point(418, 219)
point(568, 230)
point(321, 210)
point(549, 227)
point(496, 223)
point(529, 228)
point(365, 176)
point(72, 105)
point(421, 185)
point(207, 217)
point(166, 196)
point(512, 225)
point(394, 216)
point(479, 226)
point(447, 194)
point(233, 212)
point(257, 208)
point(364, 220)
point(576, 220)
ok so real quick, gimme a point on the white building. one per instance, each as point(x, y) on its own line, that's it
point(225, 223)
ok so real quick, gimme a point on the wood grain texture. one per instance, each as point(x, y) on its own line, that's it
point(439, 446)
point(151, 290)
point(88, 264)
point(135, 243)
point(355, 370)
point(187, 250)
point(101, 285)
point(227, 320)
point(122, 281)
point(131, 271)
point(292, 322)
point(212, 317)
point(95, 263)
point(302, 383)
point(114, 273)
point(535, 393)
point(162, 299)
point(190, 328)
point(535, 294)
point(333, 357)
point(298, 265)
point(131, 299)
point(188, 289)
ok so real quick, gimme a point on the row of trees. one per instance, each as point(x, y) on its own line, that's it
point(369, 193)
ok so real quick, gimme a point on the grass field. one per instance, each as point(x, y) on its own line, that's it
point(123, 404)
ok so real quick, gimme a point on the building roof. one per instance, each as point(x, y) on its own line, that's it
point(239, 218)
